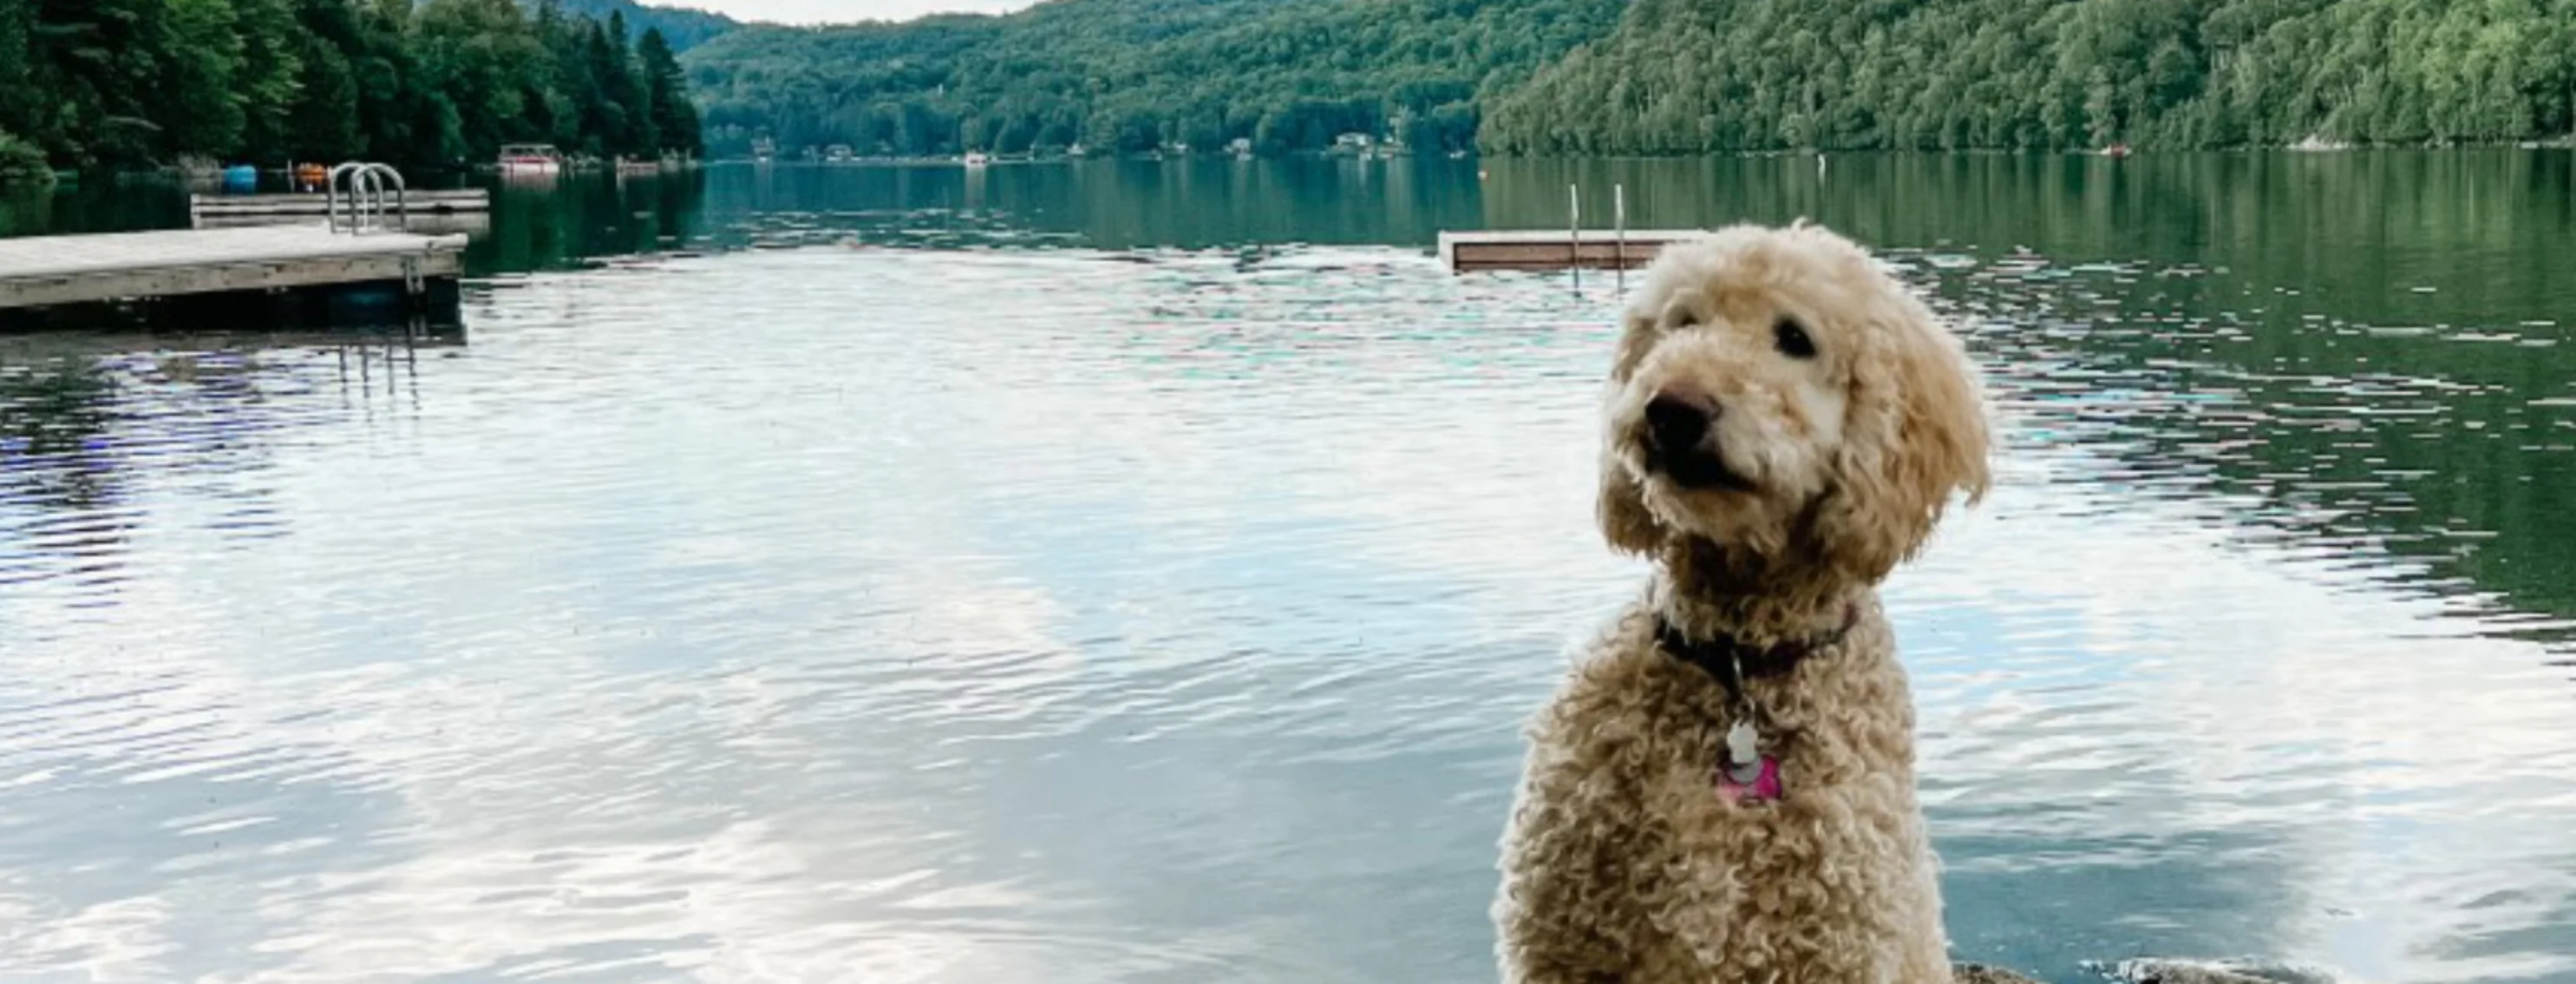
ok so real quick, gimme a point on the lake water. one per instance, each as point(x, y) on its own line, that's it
point(1138, 573)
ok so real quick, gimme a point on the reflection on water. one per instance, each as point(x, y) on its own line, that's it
point(1016, 608)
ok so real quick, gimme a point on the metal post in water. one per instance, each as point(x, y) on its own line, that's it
point(1574, 233)
point(415, 289)
point(1619, 223)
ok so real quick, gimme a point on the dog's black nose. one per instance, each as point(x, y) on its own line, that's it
point(1675, 425)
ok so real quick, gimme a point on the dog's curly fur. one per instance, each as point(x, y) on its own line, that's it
point(1622, 862)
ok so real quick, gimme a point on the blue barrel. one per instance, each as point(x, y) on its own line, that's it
point(241, 177)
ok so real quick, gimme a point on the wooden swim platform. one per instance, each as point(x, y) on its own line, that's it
point(317, 205)
point(1555, 249)
point(1572, 247)
point(52, 271)
point(471, 224)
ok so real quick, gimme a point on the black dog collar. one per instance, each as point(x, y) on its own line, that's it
point(1725, 657)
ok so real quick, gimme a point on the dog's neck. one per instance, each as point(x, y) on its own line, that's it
point(1707, 590)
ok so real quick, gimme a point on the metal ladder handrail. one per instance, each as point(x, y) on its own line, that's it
point(366, 187)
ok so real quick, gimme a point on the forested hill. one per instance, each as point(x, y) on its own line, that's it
point(683, 27)
point(1132, 75)
point(130, 83)
point(1691, 76)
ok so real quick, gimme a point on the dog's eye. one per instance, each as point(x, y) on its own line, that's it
point(1685, 318)
point(1791, 339)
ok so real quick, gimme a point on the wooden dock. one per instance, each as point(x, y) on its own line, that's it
point(1555, 249)
point(40, 272)
point(473, 225)
point(451, 201)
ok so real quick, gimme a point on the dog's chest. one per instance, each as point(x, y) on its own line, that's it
point(1830, 850)
point(1760, 767)
point(1749, 753)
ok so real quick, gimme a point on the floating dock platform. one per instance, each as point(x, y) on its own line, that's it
point(470, 224)
point(318, 205)
point(294, 274)
point(1555, 249)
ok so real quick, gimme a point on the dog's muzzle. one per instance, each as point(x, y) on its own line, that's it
point(1681, 445)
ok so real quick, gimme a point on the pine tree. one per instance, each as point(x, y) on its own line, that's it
point(666, 90)
point(604, 122)
point(618, 80)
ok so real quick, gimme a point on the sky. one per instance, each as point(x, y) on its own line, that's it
point(833, 11)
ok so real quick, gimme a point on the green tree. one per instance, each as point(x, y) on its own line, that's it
point(614, 63)
point(606, 122)
point(394, 112)
point(666, 90)
point(18, 96)
point(323, 123)
point(268, 83)
point(203, 112)
point(92, 70)
point(477, 59)
point(574, 107)
point(22, 163)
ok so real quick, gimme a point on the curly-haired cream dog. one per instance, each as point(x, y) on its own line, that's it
point(1722, 790)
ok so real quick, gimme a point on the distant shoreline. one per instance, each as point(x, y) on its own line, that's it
point(72, 178)
point(2563, 143)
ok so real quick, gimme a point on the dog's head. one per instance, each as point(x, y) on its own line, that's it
point(1778, 395)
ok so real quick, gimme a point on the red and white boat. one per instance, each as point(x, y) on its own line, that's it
point(530, 159)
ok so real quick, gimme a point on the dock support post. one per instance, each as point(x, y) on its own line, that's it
point(1574, 233)
point(415, 291)
point(1619, 241)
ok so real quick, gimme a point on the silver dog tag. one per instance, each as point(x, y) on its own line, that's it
point(1743, 745)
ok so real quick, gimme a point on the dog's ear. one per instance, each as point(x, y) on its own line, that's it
point(1915, 434)
point(1621, 508)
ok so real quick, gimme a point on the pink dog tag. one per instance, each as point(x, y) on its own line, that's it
point(1757, 783)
